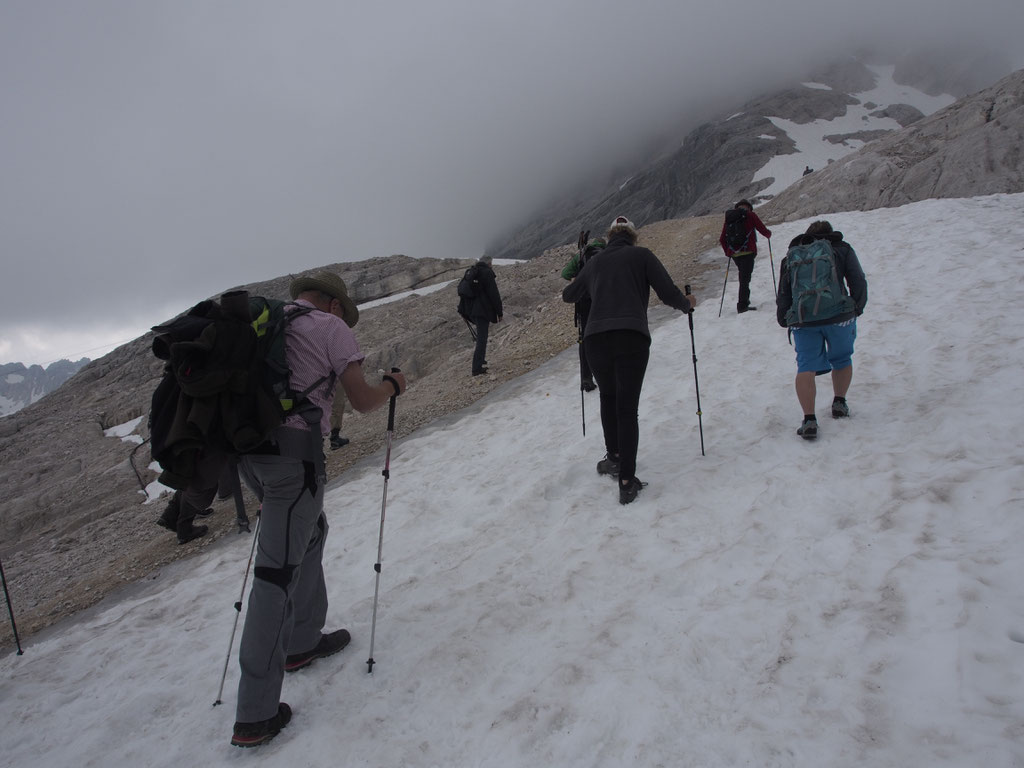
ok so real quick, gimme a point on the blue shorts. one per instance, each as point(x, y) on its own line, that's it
point(824, 348)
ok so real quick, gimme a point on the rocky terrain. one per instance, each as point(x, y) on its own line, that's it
point(75, 525)
point(972, 147)
point(713, 165)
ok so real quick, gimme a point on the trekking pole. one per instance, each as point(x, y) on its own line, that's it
point(383, 506)
point(472, 330)
point(238, 611)
point(693, 346)
point(772, 262)
point(722, 302)
point(583, 399)
point(581, 245)
point(10, 610)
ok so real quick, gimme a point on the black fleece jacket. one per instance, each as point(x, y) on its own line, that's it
point(618, 281)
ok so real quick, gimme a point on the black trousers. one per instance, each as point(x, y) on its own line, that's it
point(480, 353)
point(744, 268)
point(619, 361)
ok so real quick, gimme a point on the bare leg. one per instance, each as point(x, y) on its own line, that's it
point(805, 391)
point(841, 381)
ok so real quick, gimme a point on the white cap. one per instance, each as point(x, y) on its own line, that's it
point(621, 222)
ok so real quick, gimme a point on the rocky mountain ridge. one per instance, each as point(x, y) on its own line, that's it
point(973, 147)
point(717, 163)
point(22, 385)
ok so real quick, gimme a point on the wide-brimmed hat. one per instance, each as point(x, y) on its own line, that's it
point(332, 285)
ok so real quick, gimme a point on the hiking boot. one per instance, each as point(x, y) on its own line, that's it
point(337, 441)
point(165, 522)
point(628, 492)
point(480, 372)
point(741, 310)
point(169, 518)
point(187, 531)
point(588, 385)
point(608, 466)
point(840, 410)
point(254, 734)
point(205, 513)
point(185, 535)
point(809, 429)
point(328, 645)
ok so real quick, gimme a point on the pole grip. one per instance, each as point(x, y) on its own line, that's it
point(391, 405)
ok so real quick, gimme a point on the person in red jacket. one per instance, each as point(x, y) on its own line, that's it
point(743, 254)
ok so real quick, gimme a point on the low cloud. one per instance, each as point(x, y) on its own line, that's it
point(157, 153)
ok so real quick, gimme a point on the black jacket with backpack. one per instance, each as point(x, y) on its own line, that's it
point(485, 304)
point(848, 272)
point(618, 281)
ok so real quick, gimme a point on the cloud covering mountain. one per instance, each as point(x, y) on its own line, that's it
point(161, 152)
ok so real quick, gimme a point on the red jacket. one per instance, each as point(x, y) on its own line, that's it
point(753, 222)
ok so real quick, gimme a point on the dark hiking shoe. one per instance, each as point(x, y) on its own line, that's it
point(628, 492)
point(741, 310)
point(809, 429)
point(205, 513)
point(608, 466)
point(337, 441)
point(840, 410)
point(164, 522)
point(185, 535)
point(329, 644)
point(169, 518)
point(480, 372)
point(254, 734)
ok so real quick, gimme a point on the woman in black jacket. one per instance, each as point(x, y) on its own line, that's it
point(618, 281)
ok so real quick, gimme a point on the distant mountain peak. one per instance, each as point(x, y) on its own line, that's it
point(22, 385)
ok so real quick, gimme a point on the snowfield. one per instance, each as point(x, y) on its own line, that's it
point(855, 601)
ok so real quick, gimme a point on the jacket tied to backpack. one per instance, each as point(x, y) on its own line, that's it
point(223, 388)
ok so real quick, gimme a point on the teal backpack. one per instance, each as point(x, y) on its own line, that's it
point(818, 293)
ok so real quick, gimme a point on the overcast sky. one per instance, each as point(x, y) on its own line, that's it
point(162, 151)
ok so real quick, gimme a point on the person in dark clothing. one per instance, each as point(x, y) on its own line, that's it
point(824, 345)
point(618, 282)
point(576, 263)
point(744, 256)
point(195, 499)
point(485, 308)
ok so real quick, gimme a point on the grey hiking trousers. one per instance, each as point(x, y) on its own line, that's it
point(288, 604)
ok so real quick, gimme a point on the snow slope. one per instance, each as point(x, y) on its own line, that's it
point(856, 601)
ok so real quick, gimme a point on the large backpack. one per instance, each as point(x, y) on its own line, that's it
point(736, 229)
point(469, 283)
point(467, 289)
point(226, 382)
point(817, 291)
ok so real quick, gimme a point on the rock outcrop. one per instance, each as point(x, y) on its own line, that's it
point(972, 147)
point(716, 163)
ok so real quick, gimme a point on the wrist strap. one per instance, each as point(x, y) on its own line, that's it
point(394, 383)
